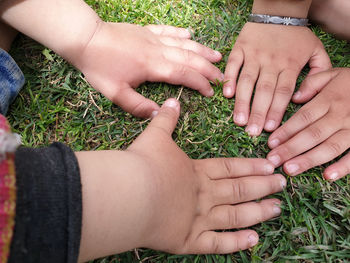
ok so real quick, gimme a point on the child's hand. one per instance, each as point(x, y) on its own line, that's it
point(152, 195)
point(120, 57)
point(271, 57)
point(320, 130)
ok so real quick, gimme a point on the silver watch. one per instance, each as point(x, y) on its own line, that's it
point(278, 20)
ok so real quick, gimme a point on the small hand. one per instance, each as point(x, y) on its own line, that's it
point(271, 58)
point(120, 57)
point(196, 197)
point(320, 130)
point(153, 195)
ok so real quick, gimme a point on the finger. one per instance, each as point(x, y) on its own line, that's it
point(338, 169)
point(131, 101)
point(312, 85)
point(305, 140)
point(221, 168)
point(307, 115)
point(235, 191)
point(167, 116)
point(284, 90)
point(327, 151)
point(170, 31)
point(243, 215)
point(178, 74)
point(211, 242)
point(188, 58)
point(320, 61)
point(208, 53)
point(262, 101)
point(234, 64)
point(245, 86)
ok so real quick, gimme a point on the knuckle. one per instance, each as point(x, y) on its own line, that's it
point(232, 218)
point(275, 114)
point(139, 108)
point(239, 191)
point(285, 151)
point(315, 133)
point(266, 86)
point(292, 62)
point(257, 116)
point(167, 114)
point(306, 116)
point(285, 90)
point(182, 70)
point(226, 163)
point(246, 77)
point(241, 103)
point(307, 163)
point(166, 73)
point(215, 244)
point(308, 82)
point(335, 147)
point(186, 55)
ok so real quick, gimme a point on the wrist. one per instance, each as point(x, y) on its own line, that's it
point(117, 205)
point(290, 8)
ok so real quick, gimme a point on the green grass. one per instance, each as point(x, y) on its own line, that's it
point(58, 105)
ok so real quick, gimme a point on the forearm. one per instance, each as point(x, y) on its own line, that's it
point(116, 204)
point(292, 8)
point(65, 26)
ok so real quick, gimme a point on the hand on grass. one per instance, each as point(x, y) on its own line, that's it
point(152, 195)
point(271, 58)
point(320, 130)
point(120, 57)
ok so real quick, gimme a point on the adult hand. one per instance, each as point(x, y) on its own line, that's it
point(120, 57)
point(320, 130)
point(271, 58)
point(152, 195)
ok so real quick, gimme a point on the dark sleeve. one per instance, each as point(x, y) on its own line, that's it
point(49, 206)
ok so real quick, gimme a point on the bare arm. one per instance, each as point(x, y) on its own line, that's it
point(292, 8)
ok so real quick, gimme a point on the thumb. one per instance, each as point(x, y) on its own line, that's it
point(319, 62)
point(312, 85)
point(167, 117)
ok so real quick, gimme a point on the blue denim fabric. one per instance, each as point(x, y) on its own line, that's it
point(11, 80)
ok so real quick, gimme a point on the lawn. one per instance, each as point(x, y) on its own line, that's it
point(57, 104)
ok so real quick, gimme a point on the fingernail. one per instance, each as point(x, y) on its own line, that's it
point(253, 130)
point(275, 159)
point(292, 168)
point(227, 91)
point(211, 93)
point(217, 53)
point(283, 182)
point(270, 125)
point(186, 33)
point(171, 103)
point(253, 239)
point(277, 209)
point(269, 169)
point(274, 143)
point(240, 118)
point(222, 76)
point(297, 95)
point(333, 176)
point(154, 114)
